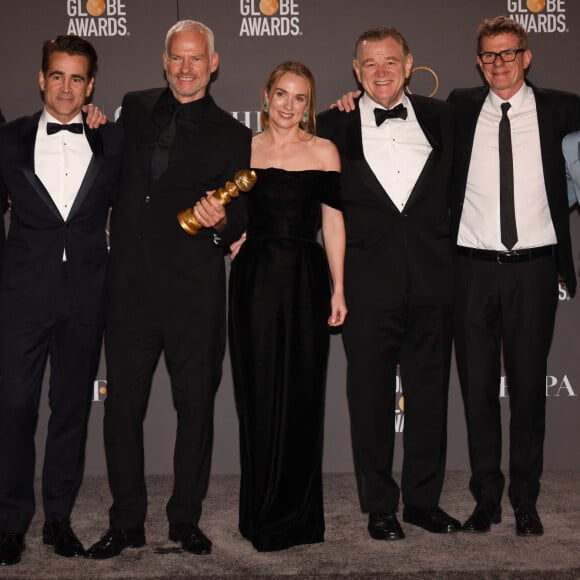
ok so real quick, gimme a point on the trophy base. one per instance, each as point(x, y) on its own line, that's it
point(188, 222)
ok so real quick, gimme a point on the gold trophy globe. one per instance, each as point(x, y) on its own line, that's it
point(244, 180)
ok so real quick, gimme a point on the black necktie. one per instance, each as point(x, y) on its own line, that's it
point(52, 128)
point(160, 159)
point(509, 232)
point(398, 112)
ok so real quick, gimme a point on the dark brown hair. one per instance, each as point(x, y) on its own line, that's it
point(72, 45)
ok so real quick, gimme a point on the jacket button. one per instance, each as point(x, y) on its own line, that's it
point(147, 198)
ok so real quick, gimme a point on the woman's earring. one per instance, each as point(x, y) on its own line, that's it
point(305, 117)
point(265, 107)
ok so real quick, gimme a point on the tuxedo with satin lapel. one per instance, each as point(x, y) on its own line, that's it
point(398, 287)
point(395, 256)
point(49, 307)
point(571, 151)
point(38, 233)
point(510, 309)
point(166, 292)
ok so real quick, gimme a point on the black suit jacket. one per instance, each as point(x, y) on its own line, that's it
point(149, 249)
point(395, 257)
point(33, 251)
point(558, 114)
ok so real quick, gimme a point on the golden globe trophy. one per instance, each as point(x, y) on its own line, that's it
point(244, 180)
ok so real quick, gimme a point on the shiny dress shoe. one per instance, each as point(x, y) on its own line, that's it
point(482, 517)
point(385, 527)
point(11, 548)
point(528, 523)
point(191, 537)
point(115, 541)
point(59, 534)
point(434, 520)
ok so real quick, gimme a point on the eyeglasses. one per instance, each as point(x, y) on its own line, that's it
point(505, 55)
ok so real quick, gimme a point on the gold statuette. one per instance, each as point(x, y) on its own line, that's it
point(243, 181)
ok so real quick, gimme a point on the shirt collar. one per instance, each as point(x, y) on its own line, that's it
point(515, 102)
point(190, 110)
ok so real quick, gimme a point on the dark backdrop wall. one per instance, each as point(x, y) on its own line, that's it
point(251, 37)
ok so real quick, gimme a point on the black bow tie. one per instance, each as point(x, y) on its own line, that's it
point(398, 112)
point(52, 128)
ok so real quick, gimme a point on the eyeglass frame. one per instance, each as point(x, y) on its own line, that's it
point(514, 51)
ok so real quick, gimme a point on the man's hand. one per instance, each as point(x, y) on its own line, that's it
point(346, 102)
point(95, 117)
point(210, 213)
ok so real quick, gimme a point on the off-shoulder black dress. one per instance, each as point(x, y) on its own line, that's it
point(279, 340)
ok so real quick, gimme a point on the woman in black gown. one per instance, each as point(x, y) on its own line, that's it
point(281, 305)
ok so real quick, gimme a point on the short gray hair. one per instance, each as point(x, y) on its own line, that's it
point(188, 25)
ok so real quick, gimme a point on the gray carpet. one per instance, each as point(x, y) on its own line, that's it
point(347, 552)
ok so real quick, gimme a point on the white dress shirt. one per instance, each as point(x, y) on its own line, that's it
point(61, 161)
point(480, 220)
point(396, 150)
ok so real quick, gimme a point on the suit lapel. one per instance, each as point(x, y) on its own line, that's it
point(28, 142)
point(96, 144)
point(550, 159)
point(431, 128)
point(360, 164)
point(429, 124)
point(144, 154)
point(467, 115)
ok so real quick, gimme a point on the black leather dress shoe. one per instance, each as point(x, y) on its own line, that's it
point(115, 541)
point(385, 527)
point(11, 548)
point(528, 523)
point(433, 520)
point(482, 517)
point(191, 537)
point(59, 534)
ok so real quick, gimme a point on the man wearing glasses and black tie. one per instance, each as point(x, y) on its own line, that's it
point(510, 215)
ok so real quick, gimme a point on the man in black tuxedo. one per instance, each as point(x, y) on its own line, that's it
point(2, 119)
point(166, 288)
point(510, 219)
point(59, 179)
point(398, 282)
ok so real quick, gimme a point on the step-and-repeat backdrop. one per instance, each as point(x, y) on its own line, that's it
point(252, 36)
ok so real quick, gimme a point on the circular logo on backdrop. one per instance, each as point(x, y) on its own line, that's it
point(428, 70)
point(536, 5)
point(96, 7)
point(269, 7)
